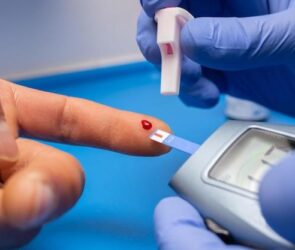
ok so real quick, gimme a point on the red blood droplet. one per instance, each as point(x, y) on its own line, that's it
point(146, 124)
point(169, 49)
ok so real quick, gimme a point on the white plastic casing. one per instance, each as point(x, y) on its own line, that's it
point(170, 21)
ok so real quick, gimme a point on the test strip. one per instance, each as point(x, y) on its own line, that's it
point(174, 141)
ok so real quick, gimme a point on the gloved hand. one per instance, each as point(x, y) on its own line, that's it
point(245, 49)
point(180, 226)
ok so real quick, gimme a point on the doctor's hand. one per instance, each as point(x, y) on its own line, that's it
point(180, 226)
point(39, 183)
point(243, 48)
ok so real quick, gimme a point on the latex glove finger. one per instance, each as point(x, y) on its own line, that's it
point(151, 6)
point(277, 199)
point(240, 43)
point(180, 226)
point(42, 185)
point(195, 90)
point(73, 120)
point(147, 38)
point(203, 94)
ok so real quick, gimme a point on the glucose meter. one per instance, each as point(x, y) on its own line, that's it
point(221, 178)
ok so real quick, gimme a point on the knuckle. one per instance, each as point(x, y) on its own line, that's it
point(66, 121)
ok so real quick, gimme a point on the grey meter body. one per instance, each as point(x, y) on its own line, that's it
point(222, 178)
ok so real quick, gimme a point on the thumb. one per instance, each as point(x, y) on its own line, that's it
point(180, 226)
point(277, 198)
point(240, 43)
point(8, 147)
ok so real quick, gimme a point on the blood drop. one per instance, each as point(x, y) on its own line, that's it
point(146, 124)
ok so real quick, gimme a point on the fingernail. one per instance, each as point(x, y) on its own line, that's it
point(44, 199)
point(8, 147)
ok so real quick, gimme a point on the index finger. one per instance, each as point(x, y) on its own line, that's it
point(73, 120)
point(8, 147)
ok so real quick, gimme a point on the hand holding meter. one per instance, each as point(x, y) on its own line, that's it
point(221, 179)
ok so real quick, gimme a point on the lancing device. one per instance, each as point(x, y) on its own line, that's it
point(222, 177)
point(170, 22)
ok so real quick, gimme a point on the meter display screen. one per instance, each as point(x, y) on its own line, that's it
point(247, 160)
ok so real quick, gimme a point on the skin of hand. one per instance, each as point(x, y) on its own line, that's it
point(242, 48)
point(245, 49)
point(39, 182)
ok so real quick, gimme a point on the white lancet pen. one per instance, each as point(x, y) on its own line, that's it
point(170, 22)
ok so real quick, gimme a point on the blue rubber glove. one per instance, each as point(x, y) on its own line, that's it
point(277, 198)
point(180, 226)
point(246, 49)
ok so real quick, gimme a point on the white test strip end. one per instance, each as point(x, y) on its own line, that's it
point(170, 22)
point(159, 136)
point(174, 141)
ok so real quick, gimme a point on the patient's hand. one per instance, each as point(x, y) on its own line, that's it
point(39, 182)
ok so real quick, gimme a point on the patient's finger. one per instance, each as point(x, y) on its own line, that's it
point(43, 184)
point(8, 148)
point(74, 120)
point(10, 237)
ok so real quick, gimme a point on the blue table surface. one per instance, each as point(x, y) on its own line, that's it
point(121, 192)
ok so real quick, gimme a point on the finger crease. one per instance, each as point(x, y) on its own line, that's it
point(65, 121)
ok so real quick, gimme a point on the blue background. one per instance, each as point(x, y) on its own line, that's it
point(116, 208)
